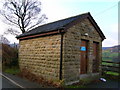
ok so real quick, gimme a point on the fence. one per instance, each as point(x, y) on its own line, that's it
point(111, 67)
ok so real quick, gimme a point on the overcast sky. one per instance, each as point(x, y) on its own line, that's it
point(105, 13)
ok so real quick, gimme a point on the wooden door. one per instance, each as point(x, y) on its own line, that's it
point(83, 60)
point(95, 58)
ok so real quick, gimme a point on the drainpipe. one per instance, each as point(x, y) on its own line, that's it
point(61, 55)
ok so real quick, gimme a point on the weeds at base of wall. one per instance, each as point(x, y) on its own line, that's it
point(82, 83)
point(39, 79)
point(88, 81)
point(85, 81)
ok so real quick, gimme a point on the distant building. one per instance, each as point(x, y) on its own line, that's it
point(68, 49)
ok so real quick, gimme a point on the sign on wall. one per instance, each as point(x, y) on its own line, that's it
point(83, 48)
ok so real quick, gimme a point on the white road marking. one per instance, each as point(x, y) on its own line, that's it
point(12, 81)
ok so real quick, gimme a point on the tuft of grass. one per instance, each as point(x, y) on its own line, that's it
point(112, 73)
point(12, 71)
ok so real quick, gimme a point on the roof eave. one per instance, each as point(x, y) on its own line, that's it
point(97, 27)
point(58, 31)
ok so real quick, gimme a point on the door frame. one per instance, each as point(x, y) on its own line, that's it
point(97, 55)
point(87, 48)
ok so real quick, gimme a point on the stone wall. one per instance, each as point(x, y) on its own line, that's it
point(41, 56)
point(71, 49)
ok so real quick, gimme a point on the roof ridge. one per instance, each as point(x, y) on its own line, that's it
point(59, 20)
point(66, 18)
point(48, 27)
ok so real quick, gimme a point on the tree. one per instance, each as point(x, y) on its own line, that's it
point(24, 14)
point(4, 40)
point(11, 31)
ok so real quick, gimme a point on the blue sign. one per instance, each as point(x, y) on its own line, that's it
point(83, 48)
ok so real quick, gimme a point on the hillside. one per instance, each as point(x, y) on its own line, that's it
point(111, 53)
point(105, 48)
point(112, 49)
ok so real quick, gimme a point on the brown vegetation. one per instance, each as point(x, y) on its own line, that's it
point(9, 56)
point(39, 79)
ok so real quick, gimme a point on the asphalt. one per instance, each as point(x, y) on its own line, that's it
point(8, 84)
point(24, 83)
point(108, 84)
point(20, 82)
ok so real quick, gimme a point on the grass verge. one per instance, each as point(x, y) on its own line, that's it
point(12, 70)
point(112, 73)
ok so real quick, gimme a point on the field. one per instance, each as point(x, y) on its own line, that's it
point(110, 61)
point(109, 56)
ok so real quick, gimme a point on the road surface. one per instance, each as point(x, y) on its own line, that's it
point(6, 83)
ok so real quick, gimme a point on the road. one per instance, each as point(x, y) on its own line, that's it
point(108, 84)
point(6, 83)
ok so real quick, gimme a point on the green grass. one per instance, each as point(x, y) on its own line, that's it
point(112, 73)
point(110, 64)
point(106, 59)
point(114, 54)
point(104, 63)
point(12, 70)
point(109, 54)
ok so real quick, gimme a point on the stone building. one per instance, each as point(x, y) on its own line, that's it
point(68, 49)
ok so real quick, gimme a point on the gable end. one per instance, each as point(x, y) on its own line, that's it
point(90, 18)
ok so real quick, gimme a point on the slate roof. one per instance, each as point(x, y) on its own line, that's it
point(50, 26)
point(60, 24)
